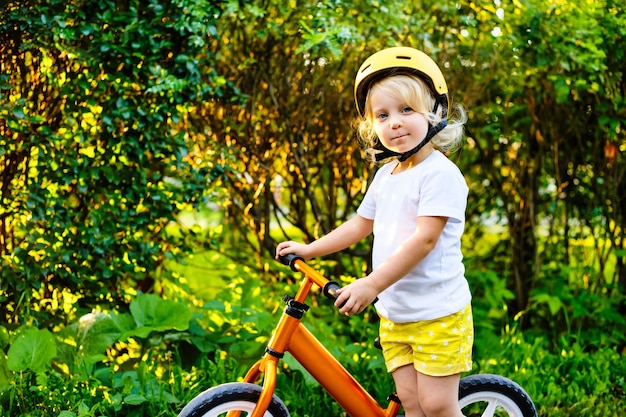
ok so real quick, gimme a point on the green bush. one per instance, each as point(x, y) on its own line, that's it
point(145, 363)
point(91, 108)
point(570, 380)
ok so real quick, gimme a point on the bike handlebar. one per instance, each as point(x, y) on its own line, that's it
point(290, 260)
point(329, 289)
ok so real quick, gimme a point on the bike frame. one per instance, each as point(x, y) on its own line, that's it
point(292, 336)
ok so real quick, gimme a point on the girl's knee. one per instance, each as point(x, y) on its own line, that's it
point(432, 408)
point(439, 396)
point(408, 397)
point(437, 406)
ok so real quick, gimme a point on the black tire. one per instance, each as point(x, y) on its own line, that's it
point(234, 396)
point(489, 395)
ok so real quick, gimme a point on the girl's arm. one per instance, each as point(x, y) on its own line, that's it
point(362, 292)
point(346, 235)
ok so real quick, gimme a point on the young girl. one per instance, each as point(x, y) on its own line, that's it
point(415, 207)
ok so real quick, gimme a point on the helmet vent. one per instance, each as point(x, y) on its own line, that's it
point(365, 69)
point(403, 57)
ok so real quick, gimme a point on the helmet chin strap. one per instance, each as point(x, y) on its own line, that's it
point(432, 131)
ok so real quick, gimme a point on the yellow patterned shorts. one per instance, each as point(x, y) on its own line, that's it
point(438, 347)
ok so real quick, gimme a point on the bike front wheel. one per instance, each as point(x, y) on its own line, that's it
point(234, 396)
point(488, 395)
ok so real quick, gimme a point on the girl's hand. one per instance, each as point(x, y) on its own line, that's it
point(285, 248)
point(356, 296)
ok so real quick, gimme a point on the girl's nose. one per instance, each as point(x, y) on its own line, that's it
point(394, 122)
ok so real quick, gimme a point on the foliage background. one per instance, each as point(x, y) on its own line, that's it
point(152, 154)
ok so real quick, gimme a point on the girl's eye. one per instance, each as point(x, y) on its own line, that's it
point(407, 109)
point(381, 116)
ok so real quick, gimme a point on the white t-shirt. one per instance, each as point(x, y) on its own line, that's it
point(436, 287)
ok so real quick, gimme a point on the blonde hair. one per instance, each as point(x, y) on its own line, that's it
point(418, 96)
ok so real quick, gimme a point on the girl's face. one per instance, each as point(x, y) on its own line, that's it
point(399, 127)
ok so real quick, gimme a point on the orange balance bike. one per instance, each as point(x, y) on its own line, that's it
point(479, 395)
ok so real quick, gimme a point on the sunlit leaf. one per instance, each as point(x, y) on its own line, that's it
point(33, 349)
point(154, 313)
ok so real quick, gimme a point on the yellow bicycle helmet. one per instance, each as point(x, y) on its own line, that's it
point(402, 60)
point(399, 60)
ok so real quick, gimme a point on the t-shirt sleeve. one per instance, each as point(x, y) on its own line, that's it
point(367, 208)
point(444, 193)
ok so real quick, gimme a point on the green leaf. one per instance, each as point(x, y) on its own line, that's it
point(98, 331)
point(135, 399)
point(19, 113)
point(33, 349)
point(4, 337)
point(5, 375)
point(554, 303)
point(151, 311)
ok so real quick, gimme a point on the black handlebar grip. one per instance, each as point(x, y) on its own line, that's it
point(290, 259)
point(330, 289)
